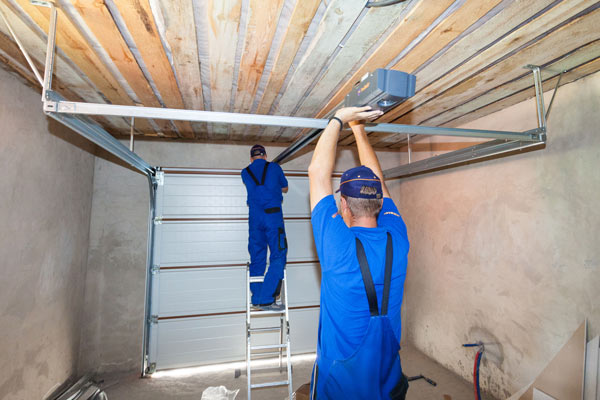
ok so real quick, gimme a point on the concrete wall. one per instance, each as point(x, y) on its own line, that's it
point(112, 332)
point(507, 250)
point(45, 204)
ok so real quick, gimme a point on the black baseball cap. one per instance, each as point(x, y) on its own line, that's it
point(257, 150)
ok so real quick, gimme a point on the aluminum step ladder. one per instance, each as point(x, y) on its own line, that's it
point(258, 351)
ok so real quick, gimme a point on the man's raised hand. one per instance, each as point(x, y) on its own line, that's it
point(348, 114)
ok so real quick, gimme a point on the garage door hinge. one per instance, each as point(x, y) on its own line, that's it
point(155, 269)
point(160, 178)
point(157, 220)
point(153, 319)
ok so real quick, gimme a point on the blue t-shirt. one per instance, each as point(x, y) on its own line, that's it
point(344, 306)
point(269, 194)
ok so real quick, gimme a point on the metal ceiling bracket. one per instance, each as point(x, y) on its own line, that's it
point(50, 50)
point(42, 3)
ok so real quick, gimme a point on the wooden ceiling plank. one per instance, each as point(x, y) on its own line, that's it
point(139, 20)
point(564, 40)
point(482, 60)
point(180, 33)
point(260, 31)
point(223, 24)
point(580, 56)
point(422, 14)
point(304, 12)
point(300, 20)
point(337, 20)
point(100, 22)
point(262, 23)
point(374, 24)
point(579, 72)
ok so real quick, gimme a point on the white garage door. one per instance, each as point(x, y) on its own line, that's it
point(198, 290)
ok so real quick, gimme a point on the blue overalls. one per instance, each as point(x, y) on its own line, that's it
point(266, 228)
point(374, 371)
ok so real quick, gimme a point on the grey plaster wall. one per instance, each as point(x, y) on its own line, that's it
point(112, 331)
point(45, 203)
point(507, 251)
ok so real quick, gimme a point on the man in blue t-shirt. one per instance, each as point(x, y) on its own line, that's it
point(362, 249)
point(265, 184)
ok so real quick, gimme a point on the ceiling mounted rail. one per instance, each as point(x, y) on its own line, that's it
point(485, 150)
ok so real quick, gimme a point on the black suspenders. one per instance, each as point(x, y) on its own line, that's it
point(264, 175)
point(368, 279)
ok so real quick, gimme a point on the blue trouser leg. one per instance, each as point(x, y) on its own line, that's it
point(257, 247)
point(276, 238)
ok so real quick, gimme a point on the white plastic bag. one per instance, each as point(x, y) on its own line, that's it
point(219, 393)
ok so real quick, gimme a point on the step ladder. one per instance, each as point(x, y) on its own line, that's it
point(277, 349)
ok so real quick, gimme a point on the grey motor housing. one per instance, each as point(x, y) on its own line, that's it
point(382, 89)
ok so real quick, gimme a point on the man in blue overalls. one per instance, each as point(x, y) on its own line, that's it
point(265, 184)
point(363, 250)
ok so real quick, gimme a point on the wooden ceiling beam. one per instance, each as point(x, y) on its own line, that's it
point(139, 20)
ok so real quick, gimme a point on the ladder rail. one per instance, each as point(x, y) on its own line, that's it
point(284, 336)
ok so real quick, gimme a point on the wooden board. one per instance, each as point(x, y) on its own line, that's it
point(592, 370)
point(138, 17)
point(260, 30)
point(563, 376)
point(223, 20)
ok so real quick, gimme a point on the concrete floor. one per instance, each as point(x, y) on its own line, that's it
point(189, 384)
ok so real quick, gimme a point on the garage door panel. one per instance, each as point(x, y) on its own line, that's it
point(201, 243)
point(198, 341)
point(206, 290)
point(304, 325)
point(304, 282)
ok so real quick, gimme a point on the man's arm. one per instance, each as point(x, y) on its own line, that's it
point(366, 154)
point(284, 190)
point(323, 160)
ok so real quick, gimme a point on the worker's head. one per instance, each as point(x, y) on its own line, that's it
point(258, 151)
point(361, 194)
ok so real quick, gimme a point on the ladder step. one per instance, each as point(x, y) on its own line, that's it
point(269, 384)
point(255, 279)
point(269, 329)
point(269, 346)
point(268, 353)
point(263, 312)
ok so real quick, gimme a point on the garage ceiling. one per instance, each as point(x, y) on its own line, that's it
point(301, 57)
